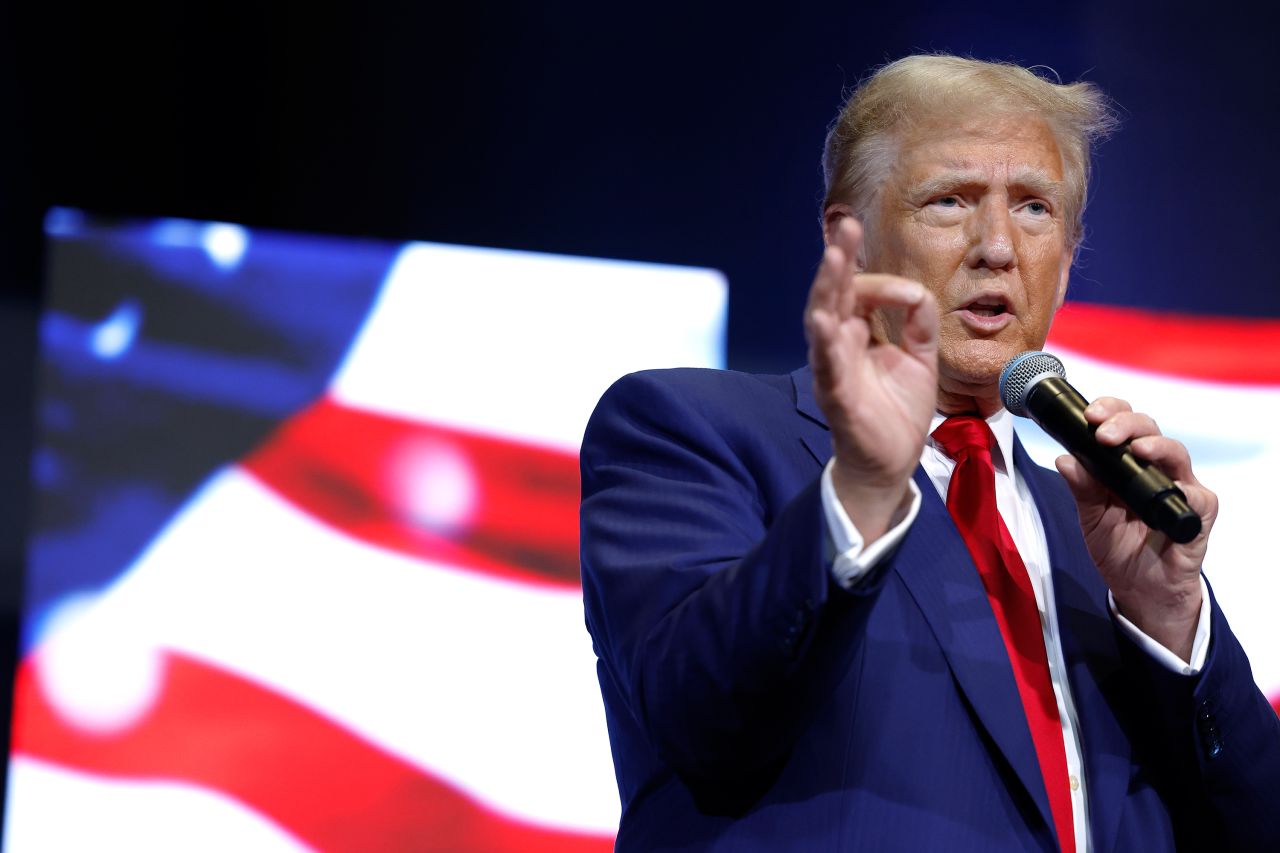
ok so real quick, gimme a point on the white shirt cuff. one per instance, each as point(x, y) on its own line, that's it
point(1199, 646)
point(849, 556)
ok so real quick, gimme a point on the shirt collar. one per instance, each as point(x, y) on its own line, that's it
point(1001, 424)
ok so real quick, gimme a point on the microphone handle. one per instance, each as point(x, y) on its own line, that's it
point(1143, 487)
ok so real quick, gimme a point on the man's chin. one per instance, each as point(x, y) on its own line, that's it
point(973, 368)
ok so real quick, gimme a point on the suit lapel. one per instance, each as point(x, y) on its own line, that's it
point(814, 433)
point(1090, 650)
point(936, 568)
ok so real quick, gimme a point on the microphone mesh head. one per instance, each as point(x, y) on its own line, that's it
point(1021, 373)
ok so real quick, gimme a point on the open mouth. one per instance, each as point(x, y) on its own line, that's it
point(987, 306)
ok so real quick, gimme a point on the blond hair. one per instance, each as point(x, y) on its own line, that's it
point(863, 138)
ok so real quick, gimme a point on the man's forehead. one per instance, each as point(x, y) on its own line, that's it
point(966, 172)
point(1022, 151)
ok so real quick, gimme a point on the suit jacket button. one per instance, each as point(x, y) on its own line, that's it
point(1211, 740)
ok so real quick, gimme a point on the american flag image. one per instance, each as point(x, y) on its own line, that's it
point(364, 630)
point(303, 573)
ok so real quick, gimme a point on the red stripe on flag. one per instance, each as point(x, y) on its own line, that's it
point(490, 504)
point(330, 788)
point(1216, 349)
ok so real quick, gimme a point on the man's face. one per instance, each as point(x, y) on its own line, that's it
point(974, 212)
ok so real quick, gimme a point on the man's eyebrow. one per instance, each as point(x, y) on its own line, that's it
point(1034, 181)
point(1037, 182)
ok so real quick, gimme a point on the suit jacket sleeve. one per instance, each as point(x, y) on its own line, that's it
point(707, 603)
point(1213, 742)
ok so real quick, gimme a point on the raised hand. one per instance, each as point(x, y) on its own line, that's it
point(878, 395)
point(1155, 581)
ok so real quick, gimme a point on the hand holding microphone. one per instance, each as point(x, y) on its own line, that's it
point(1033, 384)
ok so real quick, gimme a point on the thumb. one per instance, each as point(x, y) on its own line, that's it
point(1081, 483)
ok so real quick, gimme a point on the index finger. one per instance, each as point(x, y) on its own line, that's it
point(1105, 407)
point(1126, 426)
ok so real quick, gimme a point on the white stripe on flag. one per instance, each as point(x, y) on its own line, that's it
point(522, 344)
point(55, 810)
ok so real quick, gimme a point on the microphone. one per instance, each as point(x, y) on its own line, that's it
point(1034, 384)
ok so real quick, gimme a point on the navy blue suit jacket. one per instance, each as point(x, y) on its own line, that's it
point(753, 704)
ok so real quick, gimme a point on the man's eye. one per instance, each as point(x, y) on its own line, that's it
point(947, 201)
point(1038, 208)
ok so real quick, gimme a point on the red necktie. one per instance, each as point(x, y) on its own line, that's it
point(971, 500)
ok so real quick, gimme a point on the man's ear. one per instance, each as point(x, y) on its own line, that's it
point(1063, 278)
point(831, 218)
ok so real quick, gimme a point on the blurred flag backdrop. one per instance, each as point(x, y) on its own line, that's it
point(304, 570)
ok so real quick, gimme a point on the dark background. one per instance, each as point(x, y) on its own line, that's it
point(672, 133)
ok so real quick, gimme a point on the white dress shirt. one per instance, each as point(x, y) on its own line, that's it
point(852, 559)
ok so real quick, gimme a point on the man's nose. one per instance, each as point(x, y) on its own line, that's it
point(991, 237)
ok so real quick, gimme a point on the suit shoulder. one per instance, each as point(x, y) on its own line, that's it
point(691, 401)
point(702, 387)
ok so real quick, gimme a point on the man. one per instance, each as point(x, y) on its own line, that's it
point(816, 632)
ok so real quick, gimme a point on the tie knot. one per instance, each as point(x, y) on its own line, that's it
point(964, 433)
